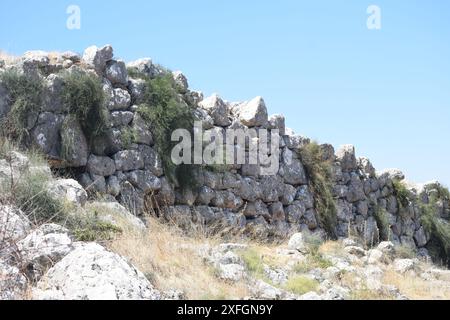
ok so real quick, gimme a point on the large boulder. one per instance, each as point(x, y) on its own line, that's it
point(128, 160)
point(14, 165)
point(297, 242)
point(144, 66)
point(116, 72)
point(292, 169)
point(217, 109)
point(391, 174)
point(90, 272)
point(144, 180)
point(42, 248)
point(345, 155)
point(67, 190)
point(181, 81)
point(46, 133)
point(102, 166)
point(118, 215)
point(277, 121)
point(253, 113)
point(75, 148)
point(13, 283)
point(97, 58)
point(119, 99)
point(14, 224)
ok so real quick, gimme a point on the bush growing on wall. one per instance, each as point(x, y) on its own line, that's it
point(25, 95)
point(83, 96)
point(321, 183)
point(165, 111)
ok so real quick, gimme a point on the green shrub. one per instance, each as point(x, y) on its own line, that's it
point(83, 97)
point(382, 220)
point(439, 231)
point(128, 136)
point(320, 178)
point(402, 194)
point(253, 262)
point(165, 112)
point(90, 227)
point(313, 261)
point(405, 251)
point(25, 94)
point(29, 193)
point(301, 285)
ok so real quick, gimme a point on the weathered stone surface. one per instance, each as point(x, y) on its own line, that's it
point(297, 242)
point(42, 248)
point(128, 160)
point(144, 180)
point(54, 84)
point(13, 283)
point(277, 211)
point(346, 156)
point(420, 237)
point(73, 143)
point(121, 118)
point(391, 174)
point(92, 273)
point(67, 190)
point(404, 265)
point(141, 131)
point(254, 209)
point(119, 99)
point(98, 57)
point(14, 224)
point(116, 72)
point(292, 169)
point(295, 212)
point(152, 160)
point(277, 121)
point(366, 167)
point(102, 166)
point(180, 215)
point(46, 133)
point(37, 58)
point(217, 109)
point(181, 81)
point(145, 66)
point(253, 113)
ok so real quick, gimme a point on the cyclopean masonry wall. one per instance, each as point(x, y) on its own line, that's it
point(239, 197)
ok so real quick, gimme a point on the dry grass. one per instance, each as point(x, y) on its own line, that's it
point(170, 260)
point(416, 288)
point(8, 58)
point(332, 248)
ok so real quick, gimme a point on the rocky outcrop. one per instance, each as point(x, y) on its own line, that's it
point(90, 272)
point(238, 197)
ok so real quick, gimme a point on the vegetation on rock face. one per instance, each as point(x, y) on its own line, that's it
point(83, 96)
point(25, 95)
point(29, 193)
point(320, 179)
point(165, 111)
point(382, 220)
point(402, 194)
point(436, 227)
point(301, 285)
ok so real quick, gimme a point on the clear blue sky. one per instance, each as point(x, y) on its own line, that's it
point(387, 91)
